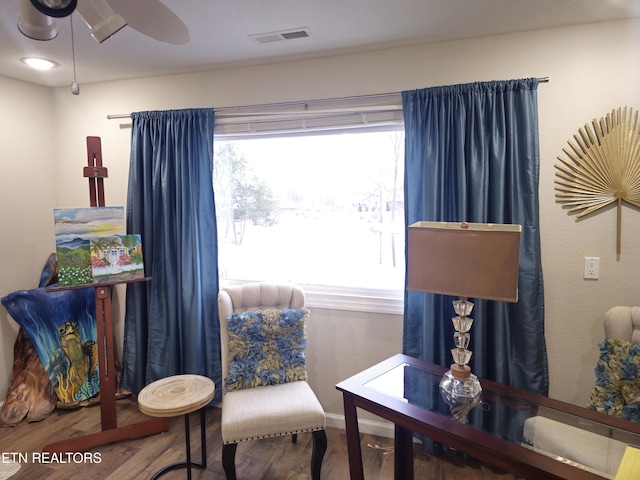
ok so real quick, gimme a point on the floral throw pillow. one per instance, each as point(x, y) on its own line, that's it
point(266, 347)
point(617, 390)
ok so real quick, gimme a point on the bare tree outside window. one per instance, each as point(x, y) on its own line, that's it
point(318, 209)
point(244, 197)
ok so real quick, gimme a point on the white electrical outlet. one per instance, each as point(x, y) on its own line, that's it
point(591, 268)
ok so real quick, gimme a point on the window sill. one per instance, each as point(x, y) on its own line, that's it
point(389, 302)
point(354, 299)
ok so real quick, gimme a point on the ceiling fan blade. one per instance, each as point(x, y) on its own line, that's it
point(154, 19)
point(100, 18)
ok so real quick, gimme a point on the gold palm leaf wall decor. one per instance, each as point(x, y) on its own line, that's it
point(603, 166)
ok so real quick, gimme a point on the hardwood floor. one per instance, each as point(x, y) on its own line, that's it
point(272, 459)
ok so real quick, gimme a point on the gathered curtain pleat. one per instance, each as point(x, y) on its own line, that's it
point(472, 154)
point(171, 321)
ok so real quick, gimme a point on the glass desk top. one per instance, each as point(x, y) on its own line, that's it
point(584, 443)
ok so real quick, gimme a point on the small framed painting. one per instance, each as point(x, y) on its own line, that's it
point(116, 258)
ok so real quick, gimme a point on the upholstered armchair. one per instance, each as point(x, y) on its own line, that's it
point(614, 393)
point(617, 387)
point(623, 323)
point(263, 397)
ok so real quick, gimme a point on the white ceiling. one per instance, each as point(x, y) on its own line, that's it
point(220, 30)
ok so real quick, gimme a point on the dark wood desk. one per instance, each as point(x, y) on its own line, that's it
point(405, 391)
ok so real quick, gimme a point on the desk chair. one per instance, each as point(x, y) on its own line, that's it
point(272, 401)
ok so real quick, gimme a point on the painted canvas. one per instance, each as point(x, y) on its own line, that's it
point(116, 258)
point(62, 328)
point(74, 227)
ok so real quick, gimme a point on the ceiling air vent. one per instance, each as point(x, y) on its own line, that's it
point(283, 35)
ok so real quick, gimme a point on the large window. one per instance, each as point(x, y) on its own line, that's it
point(323, 209)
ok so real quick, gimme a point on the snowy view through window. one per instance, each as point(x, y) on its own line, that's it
point(316, 210)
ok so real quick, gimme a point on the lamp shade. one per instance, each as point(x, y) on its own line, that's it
point(34, 24)
point(469, 260)
point(55, 8)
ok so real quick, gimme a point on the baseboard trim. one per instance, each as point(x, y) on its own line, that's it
point(370, 427)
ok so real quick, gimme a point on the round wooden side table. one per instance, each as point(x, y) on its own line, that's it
point(174, 396)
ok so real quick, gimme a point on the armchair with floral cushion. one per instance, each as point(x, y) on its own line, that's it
point(265, 389)
point(617, 387)
point(616, 392)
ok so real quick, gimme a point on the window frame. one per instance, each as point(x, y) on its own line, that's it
point(366, 113)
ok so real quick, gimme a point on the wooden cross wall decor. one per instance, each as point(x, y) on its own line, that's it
point(111, 432)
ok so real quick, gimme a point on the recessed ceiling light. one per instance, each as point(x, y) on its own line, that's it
point(39, 63)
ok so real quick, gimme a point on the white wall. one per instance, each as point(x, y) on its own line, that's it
point(27, 191)
point(592, 69)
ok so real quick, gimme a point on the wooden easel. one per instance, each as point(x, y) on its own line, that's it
point(111, 432)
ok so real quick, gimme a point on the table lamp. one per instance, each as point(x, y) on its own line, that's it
point(467, 260)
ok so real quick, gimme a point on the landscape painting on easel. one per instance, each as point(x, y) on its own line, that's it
point(74, 228)
point(116, 258)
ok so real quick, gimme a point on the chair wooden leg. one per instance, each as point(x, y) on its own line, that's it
point(319, 449)
point(294, 437)
point(229, 460)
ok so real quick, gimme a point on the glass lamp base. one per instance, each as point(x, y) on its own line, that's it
point(461, 394)
point(458, 387)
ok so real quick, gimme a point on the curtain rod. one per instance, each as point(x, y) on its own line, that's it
point(302, 103)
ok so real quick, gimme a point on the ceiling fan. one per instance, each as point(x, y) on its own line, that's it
point(104, 17)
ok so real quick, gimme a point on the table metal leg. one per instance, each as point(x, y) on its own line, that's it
point(188, 463)
point(403, 465)
point(353, 439)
